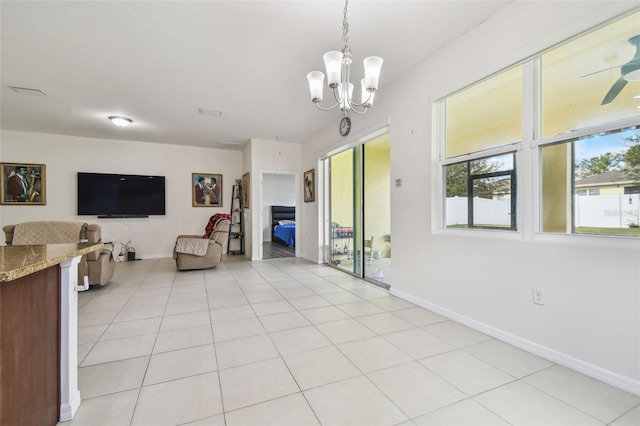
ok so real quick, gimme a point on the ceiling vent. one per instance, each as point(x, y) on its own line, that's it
point(211, 112)
point(28, 91)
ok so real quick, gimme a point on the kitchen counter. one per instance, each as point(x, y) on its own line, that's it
point(20, 261)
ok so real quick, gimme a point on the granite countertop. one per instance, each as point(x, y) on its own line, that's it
point(19, 261)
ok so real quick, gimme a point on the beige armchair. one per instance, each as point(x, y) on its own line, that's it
point(99, 265)
point(196, 252)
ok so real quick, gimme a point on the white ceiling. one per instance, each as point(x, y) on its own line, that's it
point(158, 62)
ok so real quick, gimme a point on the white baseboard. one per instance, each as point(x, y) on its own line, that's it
point(609, 377)
point(68, 410)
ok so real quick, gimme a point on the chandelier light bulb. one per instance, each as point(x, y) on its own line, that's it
point(333, 65)
point(372, 66)
point(367, 96)
point(316, 81)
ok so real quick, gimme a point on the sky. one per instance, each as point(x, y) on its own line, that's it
point(616, 142)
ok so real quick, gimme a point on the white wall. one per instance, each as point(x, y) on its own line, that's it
point(64, 156)
point(591, 320)
point(277, 190)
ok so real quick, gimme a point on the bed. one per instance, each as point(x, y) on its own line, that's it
point(283, 225)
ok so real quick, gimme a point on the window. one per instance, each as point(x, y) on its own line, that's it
point(597, 159)
point(581, 102)
point(481, 193)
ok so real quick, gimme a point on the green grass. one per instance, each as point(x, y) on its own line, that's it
point(627, 232)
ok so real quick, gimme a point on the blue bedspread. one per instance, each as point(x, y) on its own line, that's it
point(287, 233)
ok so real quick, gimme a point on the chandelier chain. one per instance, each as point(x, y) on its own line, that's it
point(345, 25)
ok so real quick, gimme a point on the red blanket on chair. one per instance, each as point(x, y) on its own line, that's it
point(213, 221)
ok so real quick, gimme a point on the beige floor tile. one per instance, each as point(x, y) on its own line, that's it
point(630, 418)
point(180, 364)
point(324, 314)
point(602, 401)
point(232, 353)
point(270, 308)
point(457, 334)
point(418, 343)
point(466, 412)
point(93, 306)
point(466, 372)
point(136, 313)
point(283, 321)
point(256, 288)
point(419, 316)
point(184, 338)
point(320, 367)
point(291, 410)
point(174, 308)
point(292, 293)
point(414, 389)
point(179, 401)
point(373, 353)
point(353, 402)
point(217, 420)
point(326, 288)
point(507, 358)
point(359, 309)
point(341, 297)
point(91, 334)
point(309, 302)
point(521, 404)
point(111, 377)
point(237, 329)
point(120, 330)
point(298, 340)
point(384, 323)
point(264, 296)
point(114, 350)
point(108, 410)
point(344, 331)
point(392, 303)
point(255, 383)
point(227, 301)
point(231, 314)
point(186, 320)
point(96, 318)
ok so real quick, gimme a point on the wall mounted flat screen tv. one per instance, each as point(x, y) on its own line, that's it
point(118, 195)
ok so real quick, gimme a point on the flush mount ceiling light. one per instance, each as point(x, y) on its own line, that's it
point(338, 65)
point(120, 121)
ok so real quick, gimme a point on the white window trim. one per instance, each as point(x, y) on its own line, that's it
point(528, 172)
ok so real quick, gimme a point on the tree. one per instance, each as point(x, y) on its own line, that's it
point(599, 164)
point(456, 179)
point(632, 162)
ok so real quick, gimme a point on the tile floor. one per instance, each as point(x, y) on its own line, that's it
point(288, 342)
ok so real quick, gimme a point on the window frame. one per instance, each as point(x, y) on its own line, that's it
point(527, 159)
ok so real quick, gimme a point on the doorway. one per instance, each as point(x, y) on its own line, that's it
point(358, 209)
point(277, 189)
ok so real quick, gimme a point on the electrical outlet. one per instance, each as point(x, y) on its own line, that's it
point(538, 296)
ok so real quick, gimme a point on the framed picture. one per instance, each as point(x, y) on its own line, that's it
point(309, 185)
point(23, 183)
point(245, 186)
point(206, 190)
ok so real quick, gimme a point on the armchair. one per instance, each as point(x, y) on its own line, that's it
point(198, 252)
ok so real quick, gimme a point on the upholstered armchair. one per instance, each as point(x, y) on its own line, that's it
point(202, 252)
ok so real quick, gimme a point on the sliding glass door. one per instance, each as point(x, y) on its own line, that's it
point(358, 221)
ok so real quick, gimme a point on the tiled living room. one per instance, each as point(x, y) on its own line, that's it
point(290, 342)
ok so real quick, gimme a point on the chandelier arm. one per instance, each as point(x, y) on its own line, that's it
point(325, 109)
point(353, 109)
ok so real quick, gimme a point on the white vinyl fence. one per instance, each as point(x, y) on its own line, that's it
point(599, 211)
point(607, 211)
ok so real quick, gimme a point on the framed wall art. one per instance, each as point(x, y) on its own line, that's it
point(246, 199)
point(309, 181)
point(206, 190)
point(23, 183)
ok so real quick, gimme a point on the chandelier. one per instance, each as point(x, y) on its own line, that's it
point(338, 66)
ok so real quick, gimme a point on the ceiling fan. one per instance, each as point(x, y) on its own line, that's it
point(628, 72)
